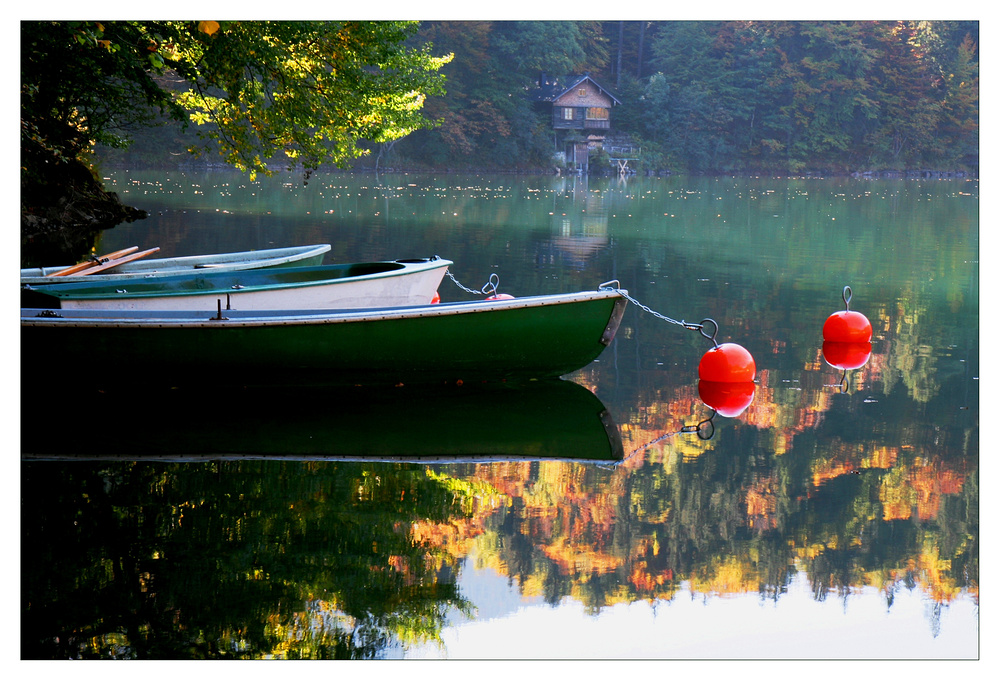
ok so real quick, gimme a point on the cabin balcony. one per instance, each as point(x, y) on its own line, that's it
point(581, 125)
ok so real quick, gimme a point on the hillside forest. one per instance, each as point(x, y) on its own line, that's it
point(695, 96)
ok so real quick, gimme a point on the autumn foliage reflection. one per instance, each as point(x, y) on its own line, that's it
point(785, 493)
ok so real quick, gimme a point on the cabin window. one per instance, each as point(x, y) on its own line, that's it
point(597, 113)
point(582, 92)
point(567, 113)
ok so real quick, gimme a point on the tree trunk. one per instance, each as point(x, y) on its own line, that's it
point(618, 69)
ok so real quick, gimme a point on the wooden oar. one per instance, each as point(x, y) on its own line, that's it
point(79, 267)
point(120, 261)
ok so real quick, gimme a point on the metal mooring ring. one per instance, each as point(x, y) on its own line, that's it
point(701, 330)
point(706, 428)
point(491, 284)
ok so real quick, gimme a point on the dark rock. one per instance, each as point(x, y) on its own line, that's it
point(63, 209)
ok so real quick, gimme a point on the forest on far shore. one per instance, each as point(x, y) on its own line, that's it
point(696, 96)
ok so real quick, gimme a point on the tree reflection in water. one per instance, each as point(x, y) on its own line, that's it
point(351, 559)
point(872, 488)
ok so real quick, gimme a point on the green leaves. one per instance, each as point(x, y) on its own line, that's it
point(263, 93)
point(309, 91)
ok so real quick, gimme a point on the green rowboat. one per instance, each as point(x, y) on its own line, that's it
point(520, 338)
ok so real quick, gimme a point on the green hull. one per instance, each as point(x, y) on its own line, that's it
point(537, 337)
point(537, 420)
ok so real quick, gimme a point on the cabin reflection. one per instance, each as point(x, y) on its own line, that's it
point(578, 224)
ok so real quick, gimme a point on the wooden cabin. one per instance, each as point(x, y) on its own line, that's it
point(580, 113)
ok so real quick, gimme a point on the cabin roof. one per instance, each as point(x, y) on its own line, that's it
point(550, 91)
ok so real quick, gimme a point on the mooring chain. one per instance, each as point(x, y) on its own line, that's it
point(614, 285)
point(489, 288)
point(705, 429)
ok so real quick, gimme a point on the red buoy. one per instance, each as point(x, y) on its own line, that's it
point(727, 399)
point(847, 326)
point(846, 355)
point(501, 296)
point(727, 363)
point(436, 299)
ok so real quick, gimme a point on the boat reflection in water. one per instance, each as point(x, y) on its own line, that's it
point(536, 420)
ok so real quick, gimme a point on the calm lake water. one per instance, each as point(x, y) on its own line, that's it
point(836, 516)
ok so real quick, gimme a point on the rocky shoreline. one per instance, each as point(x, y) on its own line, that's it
point(62, 216)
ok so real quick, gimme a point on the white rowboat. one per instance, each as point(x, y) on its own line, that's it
point(295, 256)
point(327, 287)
